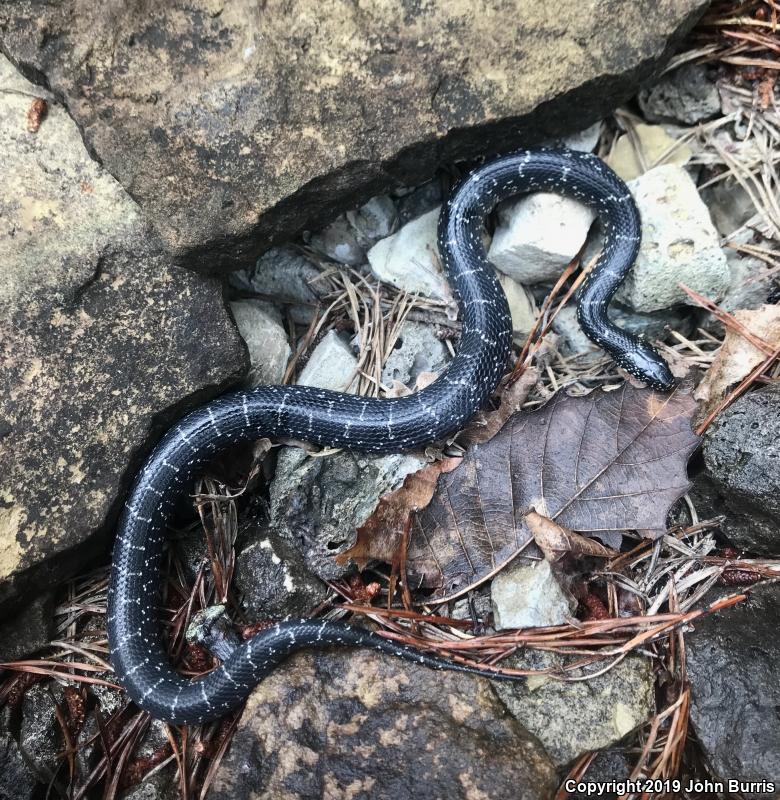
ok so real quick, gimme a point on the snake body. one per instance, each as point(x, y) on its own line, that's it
point(365, 424)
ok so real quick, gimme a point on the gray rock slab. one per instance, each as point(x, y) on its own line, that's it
point(236, 126)
point(103, 343)
point(572, 718)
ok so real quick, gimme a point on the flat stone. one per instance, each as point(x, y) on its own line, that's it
point(374, 220)
point(750, 532)
point(331, 365)
point(529, 596)
point(103, 344)
point(742, 451)
point(679, 244)
point(573, 341)
point(271, 576)
point(573, 718)
point(357, 724)
point(235, 129)
point(260, 326)
point(409, 259)
point(749, 285)
point(656, 147)
point(317, 504)
point(40, 737)
point(730, 205)
point(416, 351)
point(537, 236)
point(732, 663)
point(686, 95)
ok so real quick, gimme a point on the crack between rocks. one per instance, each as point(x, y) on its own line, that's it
point(97, 274)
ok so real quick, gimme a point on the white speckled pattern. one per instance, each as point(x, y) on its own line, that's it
point(342, 420)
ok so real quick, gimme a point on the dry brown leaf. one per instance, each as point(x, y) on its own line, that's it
point(738, 357)
point(555, 541)
point(379, 536)
point(488, 423)
point(609, 461)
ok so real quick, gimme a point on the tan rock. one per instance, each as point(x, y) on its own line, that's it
point(235, 125)
point(102, 344)
point(357, 724)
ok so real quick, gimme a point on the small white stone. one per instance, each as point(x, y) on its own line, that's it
point(260, 326)
point(331, 366)
point(529, 596)
point(679, 244)
point(538, 236)
point(416, 351)
point(409, 259)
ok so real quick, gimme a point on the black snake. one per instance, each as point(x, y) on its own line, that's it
point(377, 425)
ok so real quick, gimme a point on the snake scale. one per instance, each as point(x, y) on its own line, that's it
point(365, 424)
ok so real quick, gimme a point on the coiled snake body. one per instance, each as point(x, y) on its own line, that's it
point(376, 425)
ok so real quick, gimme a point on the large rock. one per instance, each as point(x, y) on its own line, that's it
point(733, 664)
point(679, 244)
point(742, 452)
point(571, 718)
point(102, 345)
point(236, 125)
point(357, 725)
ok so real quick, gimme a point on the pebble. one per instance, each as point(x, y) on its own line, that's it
point(573, 341)
point(285, 275)
point(409, 259)
point(318, 503)
point(339, 242)
point(271, 577)
point(529, 596)
point(538, 235)
point(17, 781)
point(373, 221)
point(686, 95)
point(416, 350)
point(584, 140)
point(260, 326)
point(40, 739)
point(679, 244)
point(749, 287)
point(331, 365)
point(729, 204)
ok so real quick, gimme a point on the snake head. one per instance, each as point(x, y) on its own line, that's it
point(643, 361)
